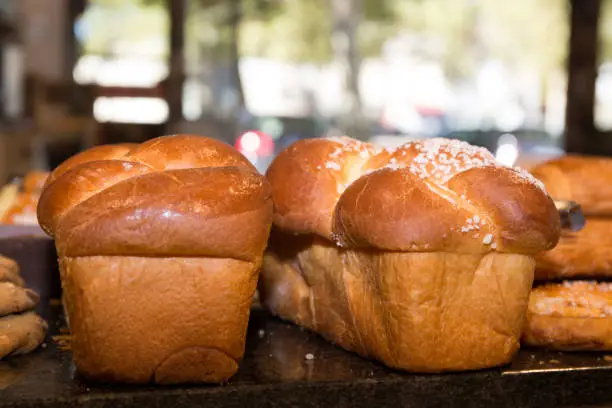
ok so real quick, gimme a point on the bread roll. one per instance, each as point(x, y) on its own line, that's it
point(570, 316)
point(160, 246)
point(420, 257)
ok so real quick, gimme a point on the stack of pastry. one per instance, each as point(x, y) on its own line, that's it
point(21, 329)
point(18, 200)
point(571, 307)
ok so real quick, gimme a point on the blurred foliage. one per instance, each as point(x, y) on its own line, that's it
point(110, 22)
point(605, 27)
point(529, 34)
point(534, 33)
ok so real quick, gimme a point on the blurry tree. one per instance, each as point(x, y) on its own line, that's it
point(447, 29)
point(540, 46)
point(111, 26)
point(605, 26)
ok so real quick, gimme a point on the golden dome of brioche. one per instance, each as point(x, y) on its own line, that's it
point(173, 196)
point(429, 195)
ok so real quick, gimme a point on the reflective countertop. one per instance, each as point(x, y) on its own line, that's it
point(285, 366)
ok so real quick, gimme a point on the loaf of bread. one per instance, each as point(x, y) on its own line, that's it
point(572, 315)
point(420, 257)
point(160, 246)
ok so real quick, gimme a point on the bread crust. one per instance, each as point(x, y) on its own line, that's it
point(416, 311)
point(582, 254)
point(447, 191)
point(160, 246)
point(583, 179)
point(162, 320)
point(570, 316)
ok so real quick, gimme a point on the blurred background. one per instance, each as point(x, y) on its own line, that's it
point(528, 79)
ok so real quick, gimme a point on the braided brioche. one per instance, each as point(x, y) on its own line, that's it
point(159, 245)
point(420, 256)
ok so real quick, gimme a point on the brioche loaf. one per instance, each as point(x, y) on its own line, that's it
point(420, 257)
point(159, 247)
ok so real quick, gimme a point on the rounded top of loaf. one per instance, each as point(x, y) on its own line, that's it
point(428, 195)
point(181, 195)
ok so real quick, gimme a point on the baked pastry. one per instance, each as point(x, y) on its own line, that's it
point(9, 271)
point(21, 333)
point(585, 253)
point(159, 246)
point(583, 179)
point(21, 329)
point(18, 201)
point(420, 257)
point(573, 315)
point(16, 299)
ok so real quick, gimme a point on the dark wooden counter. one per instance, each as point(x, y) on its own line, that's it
point(276, 373)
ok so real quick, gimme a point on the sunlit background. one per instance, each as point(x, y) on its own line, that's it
point(486, 71)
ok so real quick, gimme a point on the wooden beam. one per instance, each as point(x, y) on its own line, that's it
point(581, 136)
point(174, 84)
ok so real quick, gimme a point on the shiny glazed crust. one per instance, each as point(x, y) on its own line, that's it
point(586, 253)
point(583, 179)
point(431, 195)
point(416, 311)
point(420, 257)
point(164, 320)
point(570, 316)
point(160, 246)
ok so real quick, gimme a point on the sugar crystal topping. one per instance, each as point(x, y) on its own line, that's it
point(575, 298)
point(441, 159)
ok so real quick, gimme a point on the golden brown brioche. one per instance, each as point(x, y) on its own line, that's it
point(583, 179)
point(570, 316)
point(420, 257)
point(585, 253)
point(160, 246)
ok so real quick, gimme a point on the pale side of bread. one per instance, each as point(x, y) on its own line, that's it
point(583, 179)
point(570, 316)
point(420, 257)
point(586, 253)
point(160, 246)
point(163, 320)
point(418, 311)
